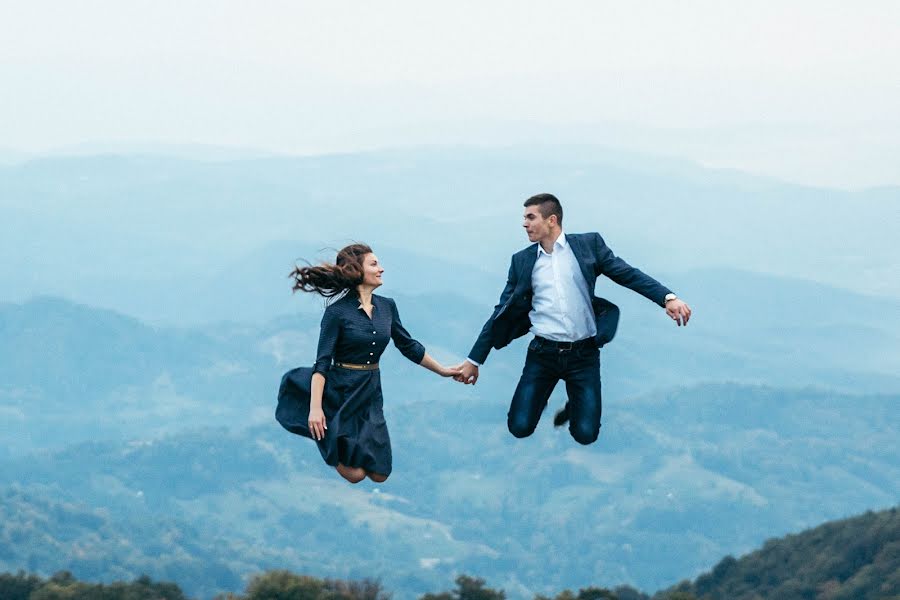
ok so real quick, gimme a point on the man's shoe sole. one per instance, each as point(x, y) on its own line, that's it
point(561, 417)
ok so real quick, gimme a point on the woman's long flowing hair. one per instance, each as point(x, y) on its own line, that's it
point(330, 280)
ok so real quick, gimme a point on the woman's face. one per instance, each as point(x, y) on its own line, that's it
point(371, 271)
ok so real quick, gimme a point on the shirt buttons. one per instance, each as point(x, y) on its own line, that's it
point(371, 354)
point(373, 343)
point(373, 333)
point(367, 362)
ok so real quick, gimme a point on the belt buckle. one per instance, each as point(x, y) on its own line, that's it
point(559, 346)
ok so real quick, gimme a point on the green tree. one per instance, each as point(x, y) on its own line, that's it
point(626, 592)
point(589, 593)
point(681, 596)
point(284, 585)
point(63, 586)
point(595, 593)
point(18, 586)
point(468, 588)
point(563, 595)
point(366, 589)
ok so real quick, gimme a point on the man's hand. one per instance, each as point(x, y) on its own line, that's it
point(679, 311)
point(468, 373)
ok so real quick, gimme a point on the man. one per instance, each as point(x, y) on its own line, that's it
point(550, 292)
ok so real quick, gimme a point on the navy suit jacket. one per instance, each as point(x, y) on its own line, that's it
point(510, 317)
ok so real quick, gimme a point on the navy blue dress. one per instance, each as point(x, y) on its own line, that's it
point(357, 435)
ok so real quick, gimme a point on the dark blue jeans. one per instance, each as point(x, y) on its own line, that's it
point(545, 365)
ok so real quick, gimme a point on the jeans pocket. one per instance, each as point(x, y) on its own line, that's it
point(589, 353)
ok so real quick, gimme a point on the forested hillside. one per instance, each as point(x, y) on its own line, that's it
point(852, 559)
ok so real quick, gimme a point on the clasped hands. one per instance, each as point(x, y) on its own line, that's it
point(468, 373)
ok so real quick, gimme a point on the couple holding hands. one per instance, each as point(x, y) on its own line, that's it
point(549, 292)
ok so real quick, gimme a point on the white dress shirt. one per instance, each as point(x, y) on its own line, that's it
point(561, 306)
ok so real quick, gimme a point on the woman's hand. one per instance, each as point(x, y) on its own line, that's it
point(436, 367)
point(316, 423)
point(449, 371)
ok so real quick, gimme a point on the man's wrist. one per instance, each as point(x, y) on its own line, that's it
point(469, 360)
point(669, 297)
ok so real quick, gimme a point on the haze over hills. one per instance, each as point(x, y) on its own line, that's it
point(850, 559)
point(141, 233)
point(138, 437)
point(676, 483)
point(682, 475)
point(127, 378)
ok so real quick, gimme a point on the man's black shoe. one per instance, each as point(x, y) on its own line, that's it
point(562, 416)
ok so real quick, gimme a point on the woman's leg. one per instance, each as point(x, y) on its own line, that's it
point(351, 474)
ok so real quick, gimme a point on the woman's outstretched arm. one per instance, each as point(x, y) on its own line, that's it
point(436, 367)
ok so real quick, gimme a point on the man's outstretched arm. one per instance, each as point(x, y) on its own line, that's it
point(634, 279)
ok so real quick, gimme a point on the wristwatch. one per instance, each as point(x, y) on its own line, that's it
point(670, 296)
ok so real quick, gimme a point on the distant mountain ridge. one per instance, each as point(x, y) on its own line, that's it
point(131, 232)
point(777, 408)
point(127, 378)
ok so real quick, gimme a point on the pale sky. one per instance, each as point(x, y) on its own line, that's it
point(805, 91)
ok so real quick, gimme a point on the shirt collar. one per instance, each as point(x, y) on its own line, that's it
point(559, 243)
point(360, 306)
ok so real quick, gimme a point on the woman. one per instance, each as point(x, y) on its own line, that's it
point(338, 402)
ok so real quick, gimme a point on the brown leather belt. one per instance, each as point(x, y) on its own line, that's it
point(352, 367)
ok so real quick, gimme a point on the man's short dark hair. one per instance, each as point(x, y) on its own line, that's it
point(547, 204)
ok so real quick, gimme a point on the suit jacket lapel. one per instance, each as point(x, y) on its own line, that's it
point(584, 260)
point(527, 267)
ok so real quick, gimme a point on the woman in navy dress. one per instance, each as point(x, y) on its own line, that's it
point(338, 401)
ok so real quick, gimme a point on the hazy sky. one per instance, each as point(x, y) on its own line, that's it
point(806, 91)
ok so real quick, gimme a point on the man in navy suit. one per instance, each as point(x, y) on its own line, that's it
point(550, 293)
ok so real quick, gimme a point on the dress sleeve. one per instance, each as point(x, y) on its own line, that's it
point(329, 332)
point(407, 346)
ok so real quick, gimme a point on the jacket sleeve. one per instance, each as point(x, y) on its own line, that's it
point(329, 332)
point(407, 346)
point(483, 344)
point(625, 275)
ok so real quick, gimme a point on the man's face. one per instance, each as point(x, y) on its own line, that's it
point(536, 226)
